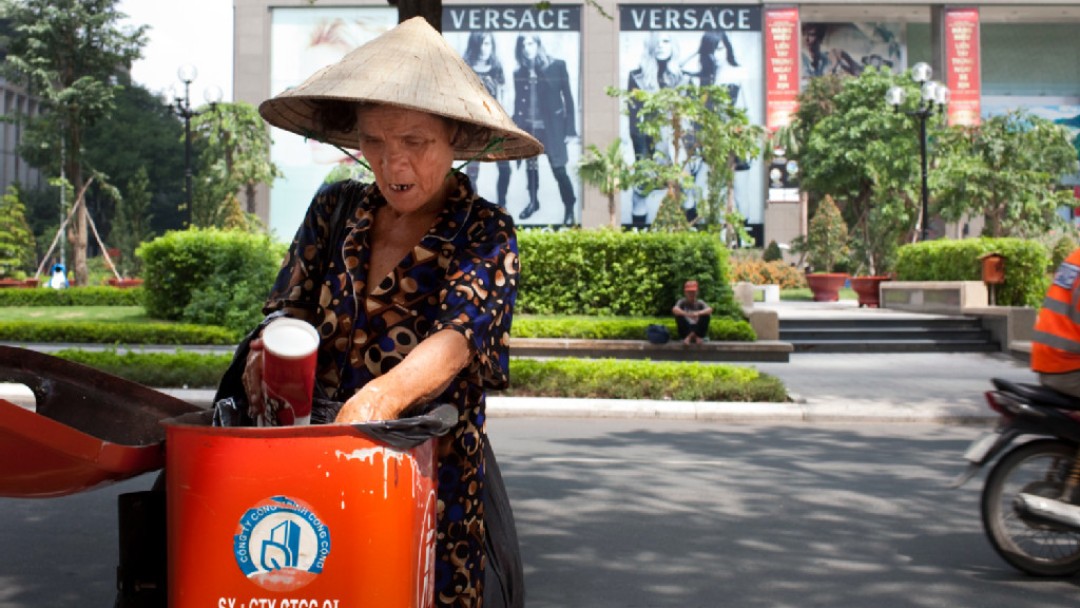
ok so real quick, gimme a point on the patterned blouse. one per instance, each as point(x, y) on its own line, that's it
point(463, 277)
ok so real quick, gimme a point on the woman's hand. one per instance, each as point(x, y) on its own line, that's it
point(252, 378)
point(370, 403)
point(420, 377)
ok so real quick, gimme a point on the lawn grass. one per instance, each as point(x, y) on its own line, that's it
point(64, 314)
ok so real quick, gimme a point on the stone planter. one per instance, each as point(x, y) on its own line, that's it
point(869, 290)
point(826, 285)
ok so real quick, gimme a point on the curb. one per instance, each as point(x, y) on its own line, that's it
point(798, 411)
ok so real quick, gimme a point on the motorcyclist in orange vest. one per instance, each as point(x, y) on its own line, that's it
point(1055, 349)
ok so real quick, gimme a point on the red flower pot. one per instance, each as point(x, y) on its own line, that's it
point(826, 285)
point(125, 282)
point(869, 290)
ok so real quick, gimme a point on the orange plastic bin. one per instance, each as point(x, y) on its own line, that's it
point(320, 516)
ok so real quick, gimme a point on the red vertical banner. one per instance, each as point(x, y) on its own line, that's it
point(962, 66)
point(781, 66)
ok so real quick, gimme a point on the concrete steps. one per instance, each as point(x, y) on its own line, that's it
point(884, 335)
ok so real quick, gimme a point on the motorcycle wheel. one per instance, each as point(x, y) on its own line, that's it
point(1033, 546)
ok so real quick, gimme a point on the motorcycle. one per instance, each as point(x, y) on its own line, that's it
point(1031, 499)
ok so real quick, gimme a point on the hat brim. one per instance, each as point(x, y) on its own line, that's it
point(412, 67)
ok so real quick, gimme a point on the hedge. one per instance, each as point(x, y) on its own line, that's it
point(92, 332)
point(605, 378)
point(608, 272)
point(624, 379)
point(621, 328)
point(72, 296)
point(1026, 266)
point(159, 370)
point(759, 272)
point(210, 277)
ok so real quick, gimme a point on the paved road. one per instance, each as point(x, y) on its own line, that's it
point(625, 513)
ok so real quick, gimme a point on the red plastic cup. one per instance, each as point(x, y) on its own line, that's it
point(290, 349)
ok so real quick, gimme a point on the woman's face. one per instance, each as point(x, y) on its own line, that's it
point(411, 155)
point(486, 45)
point(663, 48)
point(528, 47)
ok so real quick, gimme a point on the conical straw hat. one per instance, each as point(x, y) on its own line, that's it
point(410, 66)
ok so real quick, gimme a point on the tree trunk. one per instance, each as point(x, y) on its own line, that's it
point(732, 234)
point(431, 10)
point(249, 196)
point(77, 234)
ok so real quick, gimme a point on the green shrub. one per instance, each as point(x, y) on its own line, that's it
point(159, 370)
point(89, 332)
point(1026, 262)
point(1062, 248)
point(620, 328)
point(606, 378)
point(759, 272)
point(211, 277)
point(621, 379)
point(772, 253)
point(607, 272)
point(72, 296)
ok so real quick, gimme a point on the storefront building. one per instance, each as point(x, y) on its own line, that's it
point(995, 57)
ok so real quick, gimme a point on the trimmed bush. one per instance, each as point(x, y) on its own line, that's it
point(1061, 250)
point(159, 370)
point(772, 253)
point(621, 328)
point(72, 296)
point(608, 272)
point(1026, 263)
point(759, 272)
point(620, 379)
point(210, 277)
point(90, 332)
point(607, 378)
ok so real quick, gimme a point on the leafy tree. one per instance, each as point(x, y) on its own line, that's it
point(608, 172)
point(68, 52)
point(17, 248)
point(703, 126)
point(132, 224)
point(826, 242)
point(866, 155)
point(141, 134)
point(1008, 170)
point(236, 158)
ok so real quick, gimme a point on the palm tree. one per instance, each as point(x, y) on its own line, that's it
point(608, 171)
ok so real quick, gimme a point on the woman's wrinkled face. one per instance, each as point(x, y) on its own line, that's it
point(411, 155)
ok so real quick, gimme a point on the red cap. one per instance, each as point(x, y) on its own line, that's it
point(690, 286)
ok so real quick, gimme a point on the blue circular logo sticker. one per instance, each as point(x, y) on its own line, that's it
point(281, 544)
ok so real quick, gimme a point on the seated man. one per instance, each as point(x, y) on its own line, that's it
point(1055, 348)
point(692, 315)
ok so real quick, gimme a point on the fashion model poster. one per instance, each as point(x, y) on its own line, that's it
point(666, 46)
point(849, 48)
point(303, 40)
point(530, 61)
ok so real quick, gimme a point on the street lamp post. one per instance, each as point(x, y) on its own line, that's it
point(181, 106)
point(935, 96)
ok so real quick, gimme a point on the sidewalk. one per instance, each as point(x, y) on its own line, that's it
point(858, 387)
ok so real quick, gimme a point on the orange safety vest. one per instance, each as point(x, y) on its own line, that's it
point(1055, 348)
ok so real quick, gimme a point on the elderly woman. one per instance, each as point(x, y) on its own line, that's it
point(410, 280)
